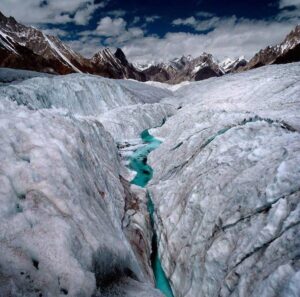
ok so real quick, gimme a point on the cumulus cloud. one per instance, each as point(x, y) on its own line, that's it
point(290, 9)
point(86, 45)
point(116, 30)
point(199, 25)
point(231, 38)
point(111, 27)
point(50, 11)
point(288, 3)
point(112, 32)
point(116, 13)
point(152, 18)
point(55, 32)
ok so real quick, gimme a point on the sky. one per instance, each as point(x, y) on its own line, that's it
point(156, 31)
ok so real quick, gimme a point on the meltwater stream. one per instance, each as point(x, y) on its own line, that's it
point(138, 163)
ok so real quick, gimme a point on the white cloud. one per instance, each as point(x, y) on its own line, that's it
point(111, 27)
point(152, 18)
point(230, 38)
point(290, 10)
point(204, 14)
point(117, 13)
point(200, 25)
point(55, 32)
point(136, 19)
point(87, 46)
point(191, 21)
point(288, 3)
point(110, 32)
point(50, 11)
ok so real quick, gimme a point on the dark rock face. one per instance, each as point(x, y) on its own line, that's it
point(291, 56)
point(183, 69)
point(115, 65)
point(286, 52)
point(205, 73)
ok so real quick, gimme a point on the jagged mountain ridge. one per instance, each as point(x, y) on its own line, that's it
point(286, 52)
point(184, 68)
point(28, 48)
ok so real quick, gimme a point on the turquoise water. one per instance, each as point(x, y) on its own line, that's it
point(138, 163)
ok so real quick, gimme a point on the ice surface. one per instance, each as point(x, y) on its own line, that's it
point(8, 75)
point(63, 198)
point(81, 94)
point(226, 185)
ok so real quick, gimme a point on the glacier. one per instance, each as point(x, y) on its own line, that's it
point(225, 185)
point(63, 190)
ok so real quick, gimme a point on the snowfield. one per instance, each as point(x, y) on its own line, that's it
point(225, 186)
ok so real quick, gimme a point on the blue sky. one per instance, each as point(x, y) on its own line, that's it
point(161, 30)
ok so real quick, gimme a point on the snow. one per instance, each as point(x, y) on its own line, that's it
point(173, 88)
point(143, 67)
point(8, 44)
point(65, 59)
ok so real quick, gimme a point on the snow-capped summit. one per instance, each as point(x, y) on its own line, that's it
point(116, 65)
point(20, 40)
point(185, 68)
point(229, 65)
point(28, 48)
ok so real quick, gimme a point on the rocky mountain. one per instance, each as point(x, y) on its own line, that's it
point(115, 65)
point(184, 69)
point(28, 48)
point(286, 52)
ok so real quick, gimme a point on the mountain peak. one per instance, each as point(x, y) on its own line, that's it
point(119, 54)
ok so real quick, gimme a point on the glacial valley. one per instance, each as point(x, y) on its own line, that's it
point(124, 188)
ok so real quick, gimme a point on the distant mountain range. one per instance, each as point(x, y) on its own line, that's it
point(25, 47)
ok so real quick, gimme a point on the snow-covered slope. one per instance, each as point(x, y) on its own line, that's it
point(84, 95)
point(226, 186)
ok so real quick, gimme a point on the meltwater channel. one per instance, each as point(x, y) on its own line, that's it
point(138, 163)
